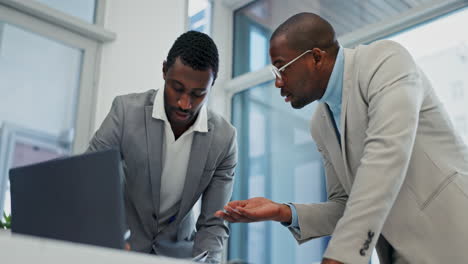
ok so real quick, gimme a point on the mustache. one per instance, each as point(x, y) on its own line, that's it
point(186, 111)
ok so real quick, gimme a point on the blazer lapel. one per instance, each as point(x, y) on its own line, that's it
point(196, 166)
point(348, 61)
point(333, 146)
point(154, 139)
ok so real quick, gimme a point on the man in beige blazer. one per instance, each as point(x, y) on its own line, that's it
point(397, 172)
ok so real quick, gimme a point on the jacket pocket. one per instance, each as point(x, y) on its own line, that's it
point(438, 190)
point(425, 179)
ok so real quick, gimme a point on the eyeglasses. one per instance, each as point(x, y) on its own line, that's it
point(277, 72)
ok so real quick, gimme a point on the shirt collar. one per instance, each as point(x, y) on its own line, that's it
point(200, 125)
point(332, 95)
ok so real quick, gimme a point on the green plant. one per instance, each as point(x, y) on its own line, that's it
point(7, 223)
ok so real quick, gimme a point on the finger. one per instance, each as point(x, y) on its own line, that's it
point(235, 204)
point(219, 214)
point(231, 210)
point(233, 213)
point(225, 216)
point(239, 216)
point(248, 213)
point(239, 219)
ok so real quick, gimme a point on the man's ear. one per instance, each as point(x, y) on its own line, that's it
point(164, 69)
point(317, 54)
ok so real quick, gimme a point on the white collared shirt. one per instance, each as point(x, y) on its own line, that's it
point(175, 156)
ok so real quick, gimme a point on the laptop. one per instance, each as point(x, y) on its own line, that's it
point(78, 199)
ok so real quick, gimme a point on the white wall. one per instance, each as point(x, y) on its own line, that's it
point(145, 29)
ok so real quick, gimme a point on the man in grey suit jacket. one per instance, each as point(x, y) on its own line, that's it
point(397, 172)
point(174, 151)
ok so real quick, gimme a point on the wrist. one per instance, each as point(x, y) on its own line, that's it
point(285, 214)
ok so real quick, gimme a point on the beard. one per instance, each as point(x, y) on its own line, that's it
point(302, 99)
point(299, 103)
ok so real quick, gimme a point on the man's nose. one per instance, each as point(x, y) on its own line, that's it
point(279, 82)
point(185, 102)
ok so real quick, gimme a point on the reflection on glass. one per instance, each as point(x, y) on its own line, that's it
point(199, 13)
point(444, 59)
point(277, 160)
point(83, 9)
point(258, 42)
point(263, 16)
point(39, 81)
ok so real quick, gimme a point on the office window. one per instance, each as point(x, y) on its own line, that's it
point(199, 14)
point(277, 160)
point(440, 48)
point(39, 83)
point(47, 82)
point(83, 9)
point(258, 41)
point(265, 15)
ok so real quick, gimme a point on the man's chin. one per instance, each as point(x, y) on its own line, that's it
point(175, 120)
point(179, 122)
point(297, 105)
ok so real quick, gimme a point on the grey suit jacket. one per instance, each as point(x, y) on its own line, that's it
point(400, 174)
point(130, 128)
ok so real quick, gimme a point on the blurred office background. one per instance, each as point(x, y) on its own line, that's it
point(63, 61)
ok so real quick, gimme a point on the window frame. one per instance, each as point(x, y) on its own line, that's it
point(209, 14)
point(45, 21)
point(406, 20)
point(48, 22)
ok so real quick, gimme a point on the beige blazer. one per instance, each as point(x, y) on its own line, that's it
point(400, 175)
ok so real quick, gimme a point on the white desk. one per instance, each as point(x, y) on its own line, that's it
point(25, 249)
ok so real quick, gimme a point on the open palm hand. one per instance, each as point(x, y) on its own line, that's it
point(254, 210)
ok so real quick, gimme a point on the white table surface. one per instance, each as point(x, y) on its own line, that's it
point(25, 249)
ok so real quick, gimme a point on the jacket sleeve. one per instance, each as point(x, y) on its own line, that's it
point(319, 219)
point(394, 96)
point(212, 231)
point(109, 134)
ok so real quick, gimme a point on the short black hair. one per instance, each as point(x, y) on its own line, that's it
point(195, 49)
point(306, 31)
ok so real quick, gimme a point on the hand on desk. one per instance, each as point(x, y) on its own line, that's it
point(254, 210)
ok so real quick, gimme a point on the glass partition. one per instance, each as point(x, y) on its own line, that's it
point(277, 160)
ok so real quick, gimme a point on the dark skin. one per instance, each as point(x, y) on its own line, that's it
point(185, 92)
point(302, 82)
point(305, 80)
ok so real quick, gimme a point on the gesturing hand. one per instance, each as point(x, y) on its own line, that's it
point(254, 210)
